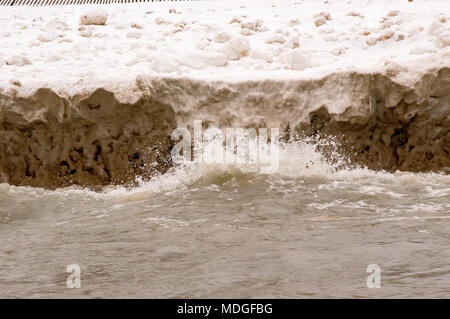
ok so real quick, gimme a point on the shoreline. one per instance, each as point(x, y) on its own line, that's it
point(95, 139)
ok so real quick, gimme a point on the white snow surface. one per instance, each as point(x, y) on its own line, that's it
point(59, 48)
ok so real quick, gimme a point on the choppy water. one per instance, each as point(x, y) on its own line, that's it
point(229, 231)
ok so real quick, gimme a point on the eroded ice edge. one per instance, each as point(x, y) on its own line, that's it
point(94, 104)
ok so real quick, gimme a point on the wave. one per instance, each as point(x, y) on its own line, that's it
point(300, 162)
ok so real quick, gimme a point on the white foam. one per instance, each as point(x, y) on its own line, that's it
point(297, 161)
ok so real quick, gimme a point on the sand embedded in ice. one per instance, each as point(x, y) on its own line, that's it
point(380, 65)
point(96, 16)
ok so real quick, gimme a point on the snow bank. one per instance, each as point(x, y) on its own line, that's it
point(95, 138)
point(90, 96)
point(292, 39)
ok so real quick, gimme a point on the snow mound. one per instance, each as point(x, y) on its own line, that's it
point(96, 16)
point(443, 40)
point(18, 60)
point(297, 59)
point(238, 47)
point(222, 37)
point(276, 38)
point(255, 26)
point(164, 62)
point(47, 36)
point(262, 54)
point(57, 25)
point(202, 59)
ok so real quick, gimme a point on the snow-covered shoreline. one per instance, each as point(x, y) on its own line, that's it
point(94, 104)
point(95, 139)
point(227, 40)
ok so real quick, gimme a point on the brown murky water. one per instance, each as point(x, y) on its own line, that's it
point(228, 231)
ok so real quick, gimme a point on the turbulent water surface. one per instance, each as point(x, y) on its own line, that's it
point(230, 231)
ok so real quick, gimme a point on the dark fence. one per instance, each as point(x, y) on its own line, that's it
point(74, 2)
